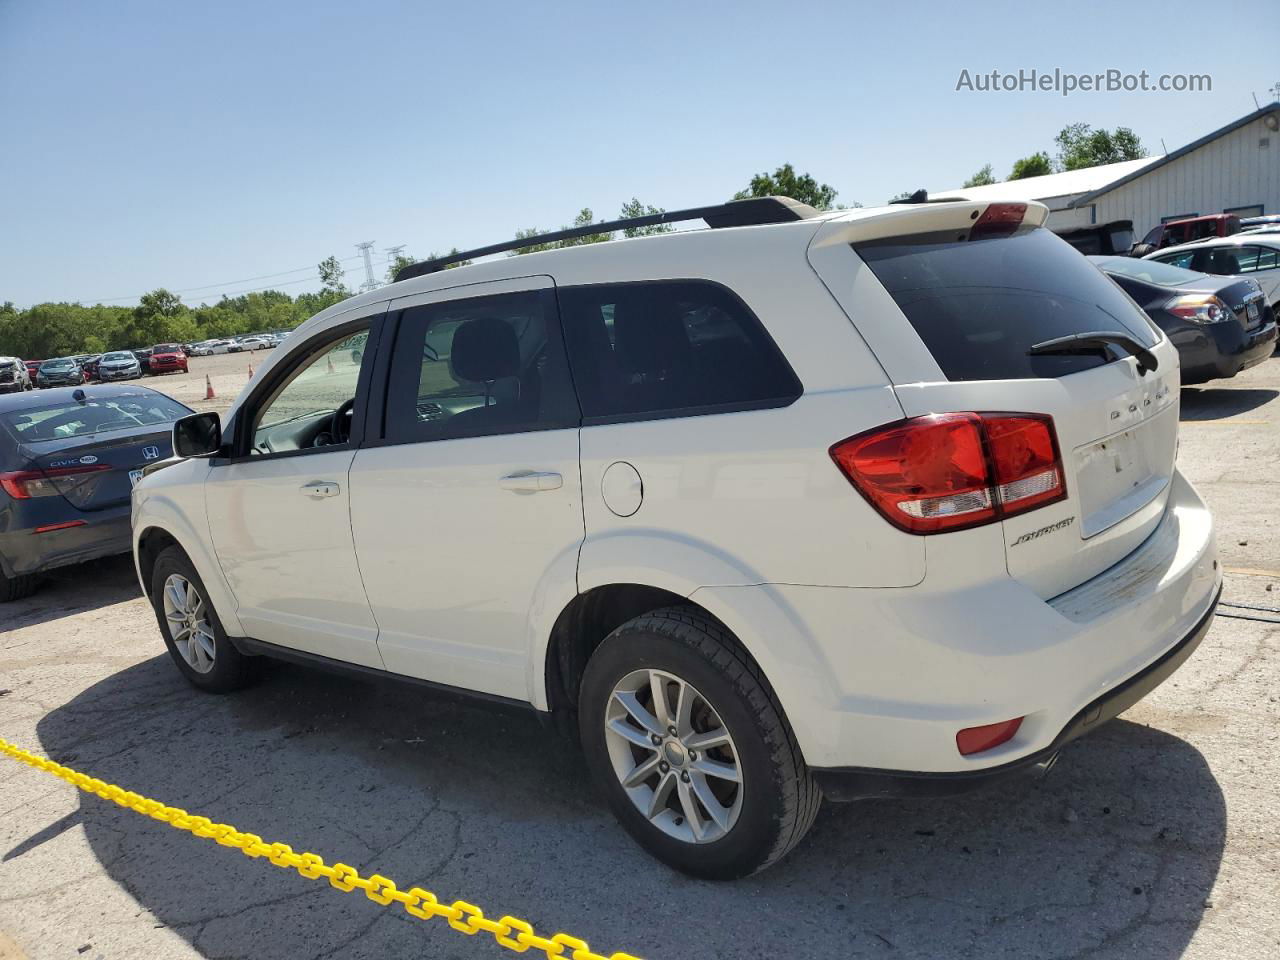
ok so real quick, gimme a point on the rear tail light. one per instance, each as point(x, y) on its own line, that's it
point(955, 470)
point(998, 220)
point(1199, 308)
point(26, 484)
point(977, 739)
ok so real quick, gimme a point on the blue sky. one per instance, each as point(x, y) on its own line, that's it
point(192, 145)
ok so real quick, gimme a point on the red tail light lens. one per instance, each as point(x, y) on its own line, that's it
point(954, 471)
point(998, 220)
point(976, 739)
point(25, 484)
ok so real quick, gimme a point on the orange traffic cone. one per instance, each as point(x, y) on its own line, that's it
point(208, 388)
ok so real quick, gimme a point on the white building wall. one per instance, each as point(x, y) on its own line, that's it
point(1233, 171)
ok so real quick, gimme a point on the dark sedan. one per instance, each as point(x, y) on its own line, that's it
point(68, 460)
point(60, 372)
point(1220, 325)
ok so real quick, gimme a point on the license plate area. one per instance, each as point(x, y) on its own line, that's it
point(1119, 475)
point(1252, 313)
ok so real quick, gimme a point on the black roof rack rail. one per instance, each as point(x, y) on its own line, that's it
point(736, 213)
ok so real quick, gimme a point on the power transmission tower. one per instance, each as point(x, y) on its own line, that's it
point(392, 254)
point(369, 282)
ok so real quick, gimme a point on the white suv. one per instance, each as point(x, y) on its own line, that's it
point(869, 503)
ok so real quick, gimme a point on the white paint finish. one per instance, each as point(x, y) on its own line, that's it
point(453, 562)
point(289, 557)
point(622, 489)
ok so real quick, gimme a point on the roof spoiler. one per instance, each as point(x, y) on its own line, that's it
point(752, 211)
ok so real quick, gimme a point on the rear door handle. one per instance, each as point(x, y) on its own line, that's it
point(319, 489)
point(529, 481)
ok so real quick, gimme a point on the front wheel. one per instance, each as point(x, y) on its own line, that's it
point(191, 628)
point(689, 743)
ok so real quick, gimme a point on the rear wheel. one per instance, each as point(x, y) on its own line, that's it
point(689, 744)
point(15, 588)
point(191, 628)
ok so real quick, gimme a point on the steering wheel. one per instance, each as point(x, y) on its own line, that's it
point(340, 425)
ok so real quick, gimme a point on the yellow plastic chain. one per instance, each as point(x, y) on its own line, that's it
point(464, 917)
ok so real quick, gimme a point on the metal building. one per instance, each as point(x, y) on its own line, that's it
point(1235, 169)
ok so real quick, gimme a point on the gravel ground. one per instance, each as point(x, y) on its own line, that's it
point(1153, 838)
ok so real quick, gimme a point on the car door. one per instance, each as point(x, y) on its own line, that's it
point(1262, 264)
point(467, 512)
point(279, 508)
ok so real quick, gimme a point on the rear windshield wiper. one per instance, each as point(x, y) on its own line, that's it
point(1093, 341)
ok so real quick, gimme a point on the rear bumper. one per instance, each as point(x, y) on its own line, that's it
point(1221, 350)
point(105, 533)
point(880, 681)
point(855, 783)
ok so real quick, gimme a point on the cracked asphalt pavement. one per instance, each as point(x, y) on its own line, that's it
point(1153, 838)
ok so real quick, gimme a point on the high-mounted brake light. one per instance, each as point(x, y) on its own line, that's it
point(25, 484)
point(955, 470)
point(998, 220)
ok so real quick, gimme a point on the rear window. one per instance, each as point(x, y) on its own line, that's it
point(980, 305)
point(71, 419)
point(1150, 271)
point(669, 348)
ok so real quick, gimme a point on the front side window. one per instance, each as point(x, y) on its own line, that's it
point(315, 405)
point(670, 348)
point(479, 366)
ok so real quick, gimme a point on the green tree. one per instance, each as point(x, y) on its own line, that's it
point(453, 252)
point(1036, 165)
point(398, 264)
point(584, 218)
point(785, 182)
point(1080, 146)
point(634, 208)
point(982, 178)
point(332, 275)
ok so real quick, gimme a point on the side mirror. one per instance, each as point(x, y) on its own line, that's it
point(199, 435)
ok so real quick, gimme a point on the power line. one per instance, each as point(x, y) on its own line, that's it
point(224, 283)
point(286, 283)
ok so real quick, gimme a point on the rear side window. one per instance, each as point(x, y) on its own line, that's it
point(478, 367)
point(980, 305)
point(670, 348)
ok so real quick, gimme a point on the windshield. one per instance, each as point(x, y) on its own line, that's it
point(59, 421)
point(57, 364)
point(166, 348)
point(1150, 271)
point(116, 357)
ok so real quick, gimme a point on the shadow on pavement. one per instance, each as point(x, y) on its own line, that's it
point(1115, 852)
point(78, 588)
point(1199, 403)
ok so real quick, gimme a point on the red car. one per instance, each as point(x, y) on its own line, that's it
point(166, 358)
point(32, 367)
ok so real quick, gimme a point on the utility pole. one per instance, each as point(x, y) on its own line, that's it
point(369, 282)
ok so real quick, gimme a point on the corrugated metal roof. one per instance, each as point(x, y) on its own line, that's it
point(1068, 184)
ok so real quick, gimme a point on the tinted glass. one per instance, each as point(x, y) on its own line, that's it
point(1150, 271)
point(480, 366)
point(980, 305)
point(71, 419)
point(1184, 259)
point(667, 348)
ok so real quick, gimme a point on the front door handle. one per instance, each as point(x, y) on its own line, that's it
point(530, 481)
point(319, 489)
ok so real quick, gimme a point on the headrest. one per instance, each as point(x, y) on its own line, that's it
point(485, 349)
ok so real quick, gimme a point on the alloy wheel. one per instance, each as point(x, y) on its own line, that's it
point(673, 756)
point(187, 617)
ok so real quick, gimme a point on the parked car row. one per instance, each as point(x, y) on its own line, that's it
point(256, 341)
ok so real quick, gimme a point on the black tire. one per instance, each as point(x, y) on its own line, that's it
point(15, 588)
point(231, 670)
point(780, 798)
